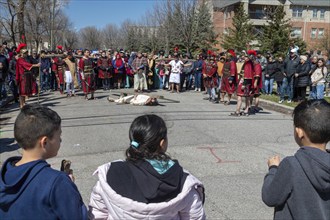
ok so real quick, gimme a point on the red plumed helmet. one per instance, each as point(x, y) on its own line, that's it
point(176, 49)
point(232, 52)
point(20, 46)
point(252, 52)
point(59, 47)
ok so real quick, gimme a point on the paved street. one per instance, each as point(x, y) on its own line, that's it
point(227, 154)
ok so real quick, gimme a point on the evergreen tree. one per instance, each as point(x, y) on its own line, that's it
point(276, 32)
point(241, 35)
point(205, 37)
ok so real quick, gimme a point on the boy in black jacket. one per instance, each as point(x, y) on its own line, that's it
point(299, 186)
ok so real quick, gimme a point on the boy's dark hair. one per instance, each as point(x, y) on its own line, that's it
point(33, 122)
point(313, 117)
point(147, 131)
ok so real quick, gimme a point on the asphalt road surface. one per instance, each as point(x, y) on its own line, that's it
point(228, 154)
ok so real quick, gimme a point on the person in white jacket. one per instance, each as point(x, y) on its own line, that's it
point(148, 184)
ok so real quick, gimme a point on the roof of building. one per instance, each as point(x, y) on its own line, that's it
point(325, 3)
point(226, 3)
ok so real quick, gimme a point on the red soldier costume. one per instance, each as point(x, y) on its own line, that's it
point(58, 68)
point(104, 64)
point(104, 71)
point(257, 76)
point(87, 75)
point(24, 77)
point(244, 87)
point(228, 79)
point(209, 73)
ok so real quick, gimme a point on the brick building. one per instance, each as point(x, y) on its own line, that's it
point(310, 19)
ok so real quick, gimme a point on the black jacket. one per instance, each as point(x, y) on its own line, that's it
point(304, 78)
point(290, 65)
point(278, 76)
point(4, 70)
point(271, 70)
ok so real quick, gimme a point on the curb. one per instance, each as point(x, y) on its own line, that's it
point(276, 107)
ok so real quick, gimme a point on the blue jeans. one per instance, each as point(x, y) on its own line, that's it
point(189, 81)
point(269, 85)
point(211, 92)
point(287, 88)
point(317, 92)
point(44, 81)
point(161, 81)
point(1, 85)
point(3, 91)
point(263, 81)
point(198, 78)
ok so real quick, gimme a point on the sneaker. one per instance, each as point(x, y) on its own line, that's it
point(199, 90)
point(196, 89)
point(281, 101)
point(289, 101)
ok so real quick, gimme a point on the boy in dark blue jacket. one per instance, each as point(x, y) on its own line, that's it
point(299, 186)
point(29, 187)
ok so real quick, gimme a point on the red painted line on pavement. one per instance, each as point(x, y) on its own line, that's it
point(212, 150)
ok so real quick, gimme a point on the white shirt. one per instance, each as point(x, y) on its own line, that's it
point(176, 66)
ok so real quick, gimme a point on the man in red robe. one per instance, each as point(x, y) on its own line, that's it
point(210, 78)
point(104, 70)
point(257, 85)
point(229, 72)
point(244, 88)
point(87, 75)
point(58, 68)
point(24, 78)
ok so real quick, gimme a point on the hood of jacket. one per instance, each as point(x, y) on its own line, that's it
point(157, 187)
point(316, 165)
point(14, 180)
point(129, 208)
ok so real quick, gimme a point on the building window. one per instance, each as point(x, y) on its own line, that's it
point(322, 13)
point(321, 33)
point(313, 33)
point(314, 13)
point(296, 32)
point(297, 12)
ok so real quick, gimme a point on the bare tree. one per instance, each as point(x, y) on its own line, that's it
point(71, 38)
point(110, 36)
point(177, 23)
point(8, 19)
point(36, 20)
point(90, 37)
point(128, 36)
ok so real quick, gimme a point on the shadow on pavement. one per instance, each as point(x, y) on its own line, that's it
point(8, 145)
